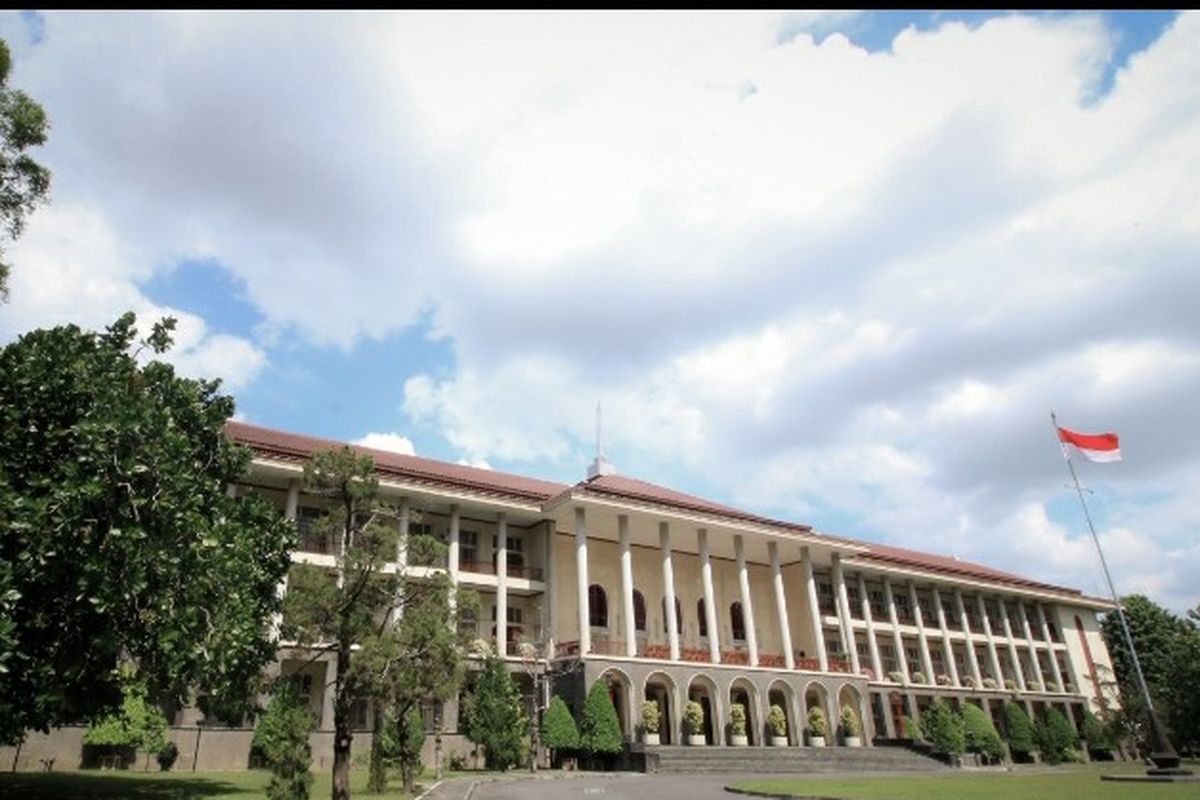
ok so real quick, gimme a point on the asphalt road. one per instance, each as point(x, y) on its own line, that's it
point(623, 787)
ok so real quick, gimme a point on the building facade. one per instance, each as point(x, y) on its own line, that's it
point(671, 598)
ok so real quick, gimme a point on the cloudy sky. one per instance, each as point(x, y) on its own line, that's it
point(832, 268)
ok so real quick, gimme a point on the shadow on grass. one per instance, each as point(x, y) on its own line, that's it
point(107, 786)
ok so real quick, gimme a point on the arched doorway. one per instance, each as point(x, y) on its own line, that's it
point(781, 694)
point(703, 690)
point(816, 696)
point(848, 697)
point(743, 692)
point(660, 690)
point(620, 692)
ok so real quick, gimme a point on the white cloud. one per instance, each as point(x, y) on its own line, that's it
point(392, 442)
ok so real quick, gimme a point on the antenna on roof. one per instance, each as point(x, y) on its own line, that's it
point(600, 466)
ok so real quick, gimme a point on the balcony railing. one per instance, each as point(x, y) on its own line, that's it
point(489, 568)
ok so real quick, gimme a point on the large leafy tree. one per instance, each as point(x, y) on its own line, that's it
point(23, 182)
point(117, 533)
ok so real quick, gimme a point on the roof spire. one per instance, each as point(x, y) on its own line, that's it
point(600, 466)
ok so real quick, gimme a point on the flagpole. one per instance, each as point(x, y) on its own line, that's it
point(1161, 744)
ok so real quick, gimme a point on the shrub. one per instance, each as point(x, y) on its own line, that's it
point(282, 738)
point(944, 680)
point(558, 728)
point(990, 683)
point(138, 726)
point(494, 717)
point(1096, 734)
point(737, 719)
point(918, 677)
point(980, 733)
point(600, 730)
point(909, 729)
point(1021, 738)
point(896, 676)
point(1055, 737)
point(166, 756)
point(651, 718)
point(969, 681)
point(693, 718)
point(816, 722)
point(850, 726)
point(400, 742)
point(777, 721)
point(943, 728)
point(1010, 684)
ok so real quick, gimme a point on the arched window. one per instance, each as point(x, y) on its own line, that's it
point(737, 622)
point(678, 616)
point(701, 617)
point(597, 606)
point(639, 611)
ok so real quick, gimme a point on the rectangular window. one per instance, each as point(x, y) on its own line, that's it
point(878, 607)
point(903, 610)
point(468, 550)
point(312, 539)
point(825, 597)
point(855, 600)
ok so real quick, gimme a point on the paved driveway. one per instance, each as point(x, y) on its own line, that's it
point(614, 787)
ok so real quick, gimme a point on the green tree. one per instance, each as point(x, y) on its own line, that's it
point(334, 610)
point(494, 717)
point(1056, 738)
point(943, 728)
point(24, 183)
point(116, 533)
point(1096, 735)
point(139, 725)
point(599, 729)
point(282, 737)
point(1021, 738)
point(398, 745)
point(558, 728)
point(980, 734)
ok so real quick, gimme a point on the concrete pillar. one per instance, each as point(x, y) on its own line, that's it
point(402, 513)
point(965, 622)
point(627, 585)
point(872, 644)
point(452, 544)
point(290, 511)
point(548, 605)
point(502, 585)
point(1053, 658)
point(581, 582)
point(1037, 668)
point(664, 545)
point(845, 626)
point(781, 612)
point(739, 549)
point(922, 640)
point(947, 646)
point(993, 657)
point(710, 605)
point(1013, 657)
point(814, 611)
point(897, 639)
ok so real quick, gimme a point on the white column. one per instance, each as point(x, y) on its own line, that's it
point(781, 612)
point(739, 549)
point(814, 611)
point(947, 646)
point(502, 585)
point(993, 657)
point(1037, 668)
point(897, 639)
point(548, 606)
point(872, 645)
point(965, 621)
point(1052, 657)
point(401, 556)
point(452, 545)
point(581, 582)
point(922, 640)
point(293, 499)
point(1013, 656)
point(627, 585)
point(844, 620)
point(290, 511)
point(710, 604)
point(664, 544)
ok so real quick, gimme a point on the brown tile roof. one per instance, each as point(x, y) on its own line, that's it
point(296, 447)
point(900, 556)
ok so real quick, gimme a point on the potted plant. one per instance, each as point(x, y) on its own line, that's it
point(737, 726)
point(969, 682)
point(1010, 684)
point(989, 683)
point(944, 680)
point(651, 720)
point(777, 722)
point(816, 727)
point(919, 677)
point(896, 676)
point(693, 718)
point(850, 727)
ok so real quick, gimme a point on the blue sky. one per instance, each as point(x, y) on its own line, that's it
point(835, 267)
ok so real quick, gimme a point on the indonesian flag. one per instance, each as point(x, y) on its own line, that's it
point(1101, 447)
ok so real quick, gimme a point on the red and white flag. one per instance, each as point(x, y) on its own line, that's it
point(1101, 447)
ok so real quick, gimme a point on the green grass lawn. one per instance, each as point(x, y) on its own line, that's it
point(133, 785)
point(1060, 783)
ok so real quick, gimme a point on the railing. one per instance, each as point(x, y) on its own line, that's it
point(735, 657)
point(808, 664)
point(488, 568)
point(315, 543)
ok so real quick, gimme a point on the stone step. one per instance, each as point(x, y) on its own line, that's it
point(788, 760)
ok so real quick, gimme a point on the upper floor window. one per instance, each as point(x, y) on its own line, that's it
point(639, 611)
point(701, 617)
point(678, 616)
point(597, 606)
point(468, 549)
point(737, 622)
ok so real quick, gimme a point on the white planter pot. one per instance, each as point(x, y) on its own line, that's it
point(697, 739)
point(650, 739)
point(779, 741)
point(853, 741)
point(816, 741)
point(738, 739)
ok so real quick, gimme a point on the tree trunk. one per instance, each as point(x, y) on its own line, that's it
point(377, 779)
point(341, 725)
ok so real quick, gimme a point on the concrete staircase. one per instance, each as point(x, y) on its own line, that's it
point(762, 760)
